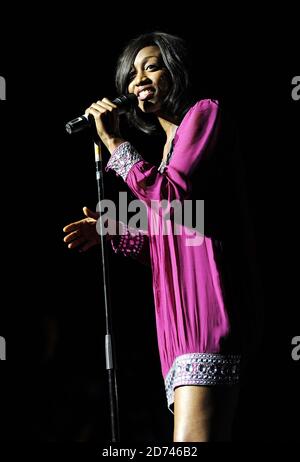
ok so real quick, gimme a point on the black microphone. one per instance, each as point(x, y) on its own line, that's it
point(123, 102)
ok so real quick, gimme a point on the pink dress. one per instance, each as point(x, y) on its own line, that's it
point(191, 317)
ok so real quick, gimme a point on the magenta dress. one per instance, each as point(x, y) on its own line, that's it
point(191, 316)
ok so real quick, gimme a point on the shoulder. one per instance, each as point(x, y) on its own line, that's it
point(204, 105)
point(200, 112)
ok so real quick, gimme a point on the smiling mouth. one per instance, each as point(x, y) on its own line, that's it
point(146, 94)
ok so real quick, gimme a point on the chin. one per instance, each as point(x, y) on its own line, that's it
point(149, 106)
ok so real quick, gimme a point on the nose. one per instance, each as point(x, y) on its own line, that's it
point(141, 79)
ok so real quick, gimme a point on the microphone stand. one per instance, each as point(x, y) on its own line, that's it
point(109, 344)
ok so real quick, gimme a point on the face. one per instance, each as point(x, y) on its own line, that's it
point(149, 79)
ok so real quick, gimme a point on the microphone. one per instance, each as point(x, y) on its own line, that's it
point(123, 102)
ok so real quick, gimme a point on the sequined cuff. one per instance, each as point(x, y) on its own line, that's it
point(202, 369)
point(122, 159)
point(128, 243)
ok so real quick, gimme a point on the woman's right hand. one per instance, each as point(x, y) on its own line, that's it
point(106, 116)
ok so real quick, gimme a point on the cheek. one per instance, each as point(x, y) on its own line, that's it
point(164, 83)
point(130, 88)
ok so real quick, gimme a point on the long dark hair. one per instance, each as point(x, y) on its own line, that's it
point(175, 58)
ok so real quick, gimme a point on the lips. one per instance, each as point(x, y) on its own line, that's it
point(146, 93)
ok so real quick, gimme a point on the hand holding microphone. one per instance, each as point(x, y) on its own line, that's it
point(106, 116)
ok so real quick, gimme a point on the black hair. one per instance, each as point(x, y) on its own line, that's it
point(175, 58)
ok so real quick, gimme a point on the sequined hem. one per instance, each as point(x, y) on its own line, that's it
point(202, 369)
point(122, 159)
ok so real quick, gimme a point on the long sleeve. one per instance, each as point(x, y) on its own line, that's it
point(193, 141)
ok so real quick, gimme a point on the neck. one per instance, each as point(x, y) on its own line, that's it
point(169, 125)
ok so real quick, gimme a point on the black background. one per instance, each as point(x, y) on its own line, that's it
point(52, 314)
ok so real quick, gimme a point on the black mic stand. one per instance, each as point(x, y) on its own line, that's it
point(109, 342)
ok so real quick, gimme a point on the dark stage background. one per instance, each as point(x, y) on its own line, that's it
point(52, 314)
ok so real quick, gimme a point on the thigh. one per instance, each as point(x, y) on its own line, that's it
point(203, 413)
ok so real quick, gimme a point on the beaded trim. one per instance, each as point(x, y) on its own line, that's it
point(130, 243)
point(202, 369)
point(122, 159)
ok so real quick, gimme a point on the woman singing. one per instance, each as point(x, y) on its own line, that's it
point(203, 290)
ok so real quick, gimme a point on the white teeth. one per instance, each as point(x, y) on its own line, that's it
point(144, 93)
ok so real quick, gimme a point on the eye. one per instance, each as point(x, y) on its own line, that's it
point(152, 67)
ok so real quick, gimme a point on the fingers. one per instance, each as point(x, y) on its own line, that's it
point(77, 224)
point(72, 226)
point(96, 113)
point(73, 244)
point(72, 236)
point(101, 107)
point(105, 115)
point(74, 239)
point(76, 242)
point(82, 232)
point(90, 214)
point(108, 102)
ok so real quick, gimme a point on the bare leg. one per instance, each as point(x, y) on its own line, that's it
point(203, 414)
